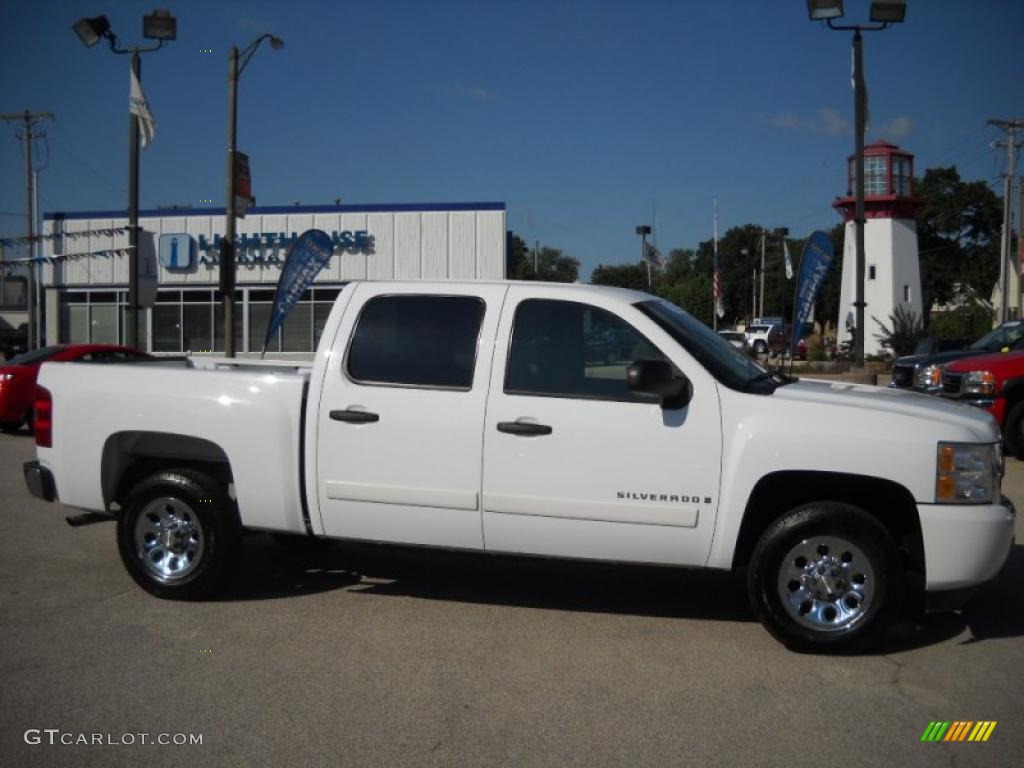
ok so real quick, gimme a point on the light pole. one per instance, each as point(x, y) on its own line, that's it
point(883, 13)
point(644, 230)
point(160, 26)
point(236, 64)
point(778, 232)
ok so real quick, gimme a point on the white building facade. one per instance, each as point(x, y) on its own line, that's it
point(892, 272)
point(86, 271)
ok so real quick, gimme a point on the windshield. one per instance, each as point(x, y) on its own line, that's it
point(725, 362)
point(33, 357)
point(1003, 336)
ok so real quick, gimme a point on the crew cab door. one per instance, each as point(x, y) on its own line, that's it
point(575, 464)
point(401, 414)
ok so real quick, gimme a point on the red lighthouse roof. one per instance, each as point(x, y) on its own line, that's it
point(888, 184)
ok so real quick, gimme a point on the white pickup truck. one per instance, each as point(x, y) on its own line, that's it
point(514, 418)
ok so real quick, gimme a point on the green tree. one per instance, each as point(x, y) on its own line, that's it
point(621, 276)
point(552, 264)
point(958, 234)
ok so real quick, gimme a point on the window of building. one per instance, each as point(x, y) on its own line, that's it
point(13, 291)
point(871, 272)
point(906, 293)
point(569, 349)
point(902, 176)
point(425, 341)
point(876, 181)
point(94, 317)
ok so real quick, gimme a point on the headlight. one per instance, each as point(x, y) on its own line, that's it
point(967, 473)
point(928, 376)
point(6, 376)
point(979, 383)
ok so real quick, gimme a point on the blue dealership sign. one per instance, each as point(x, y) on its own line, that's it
point(815, 262)
point(306, 257)
point(177, 252)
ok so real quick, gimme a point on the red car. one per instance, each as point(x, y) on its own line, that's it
point(18, 375)
point(996, 383)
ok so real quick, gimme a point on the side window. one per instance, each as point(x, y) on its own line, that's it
point(422, 341)
point(567, 349)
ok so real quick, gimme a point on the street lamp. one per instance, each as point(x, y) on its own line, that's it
point(236, 64)
point(158, 25)
point(644, 230)
point(883, 13)
point(778, 232)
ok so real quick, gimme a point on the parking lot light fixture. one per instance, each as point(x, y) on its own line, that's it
point(160, 25)
point(889, 11)
point(91, 31)
point(821, 10)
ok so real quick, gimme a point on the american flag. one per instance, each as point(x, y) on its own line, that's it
point(716, 292)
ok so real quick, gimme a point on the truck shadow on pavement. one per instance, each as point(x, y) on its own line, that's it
point(272, 571)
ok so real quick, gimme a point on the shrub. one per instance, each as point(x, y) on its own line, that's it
point(906, 330)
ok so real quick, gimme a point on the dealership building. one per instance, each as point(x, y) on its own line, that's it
point(85, 273)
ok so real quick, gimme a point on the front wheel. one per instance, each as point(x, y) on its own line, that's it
point(760, 347)
point(825, 578)
point(178, 534)
point(1013, 431)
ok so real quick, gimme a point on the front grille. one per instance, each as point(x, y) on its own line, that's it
point(951, 383)
point(903, 376)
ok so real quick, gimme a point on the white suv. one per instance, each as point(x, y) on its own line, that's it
point(757, 338)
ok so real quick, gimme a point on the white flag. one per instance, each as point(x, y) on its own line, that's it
point(789, 261)
point(139, 107)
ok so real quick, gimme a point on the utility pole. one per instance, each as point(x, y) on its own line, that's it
point(1011, 127)
point(29, 119)
point(536, 250)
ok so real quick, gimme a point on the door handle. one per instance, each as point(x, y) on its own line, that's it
point(523, 428)
point(355, 417)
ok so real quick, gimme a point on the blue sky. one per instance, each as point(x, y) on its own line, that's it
point(583, 117)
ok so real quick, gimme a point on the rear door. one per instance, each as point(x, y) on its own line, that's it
point(400, 420)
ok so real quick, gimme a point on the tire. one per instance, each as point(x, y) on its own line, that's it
point(1013, 431)
point(760, 347)
point(813, 610)
point(178, 534)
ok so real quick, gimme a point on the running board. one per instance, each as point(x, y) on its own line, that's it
point(88, 518)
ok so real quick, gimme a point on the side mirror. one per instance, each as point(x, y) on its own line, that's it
point(657, 377)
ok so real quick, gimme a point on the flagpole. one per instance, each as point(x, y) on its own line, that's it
point(715, 280)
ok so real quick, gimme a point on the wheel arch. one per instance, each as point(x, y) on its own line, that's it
point(132, 455)
point(887, 501)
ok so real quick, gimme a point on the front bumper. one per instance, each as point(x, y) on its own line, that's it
point(40, 481)
point(965, 544)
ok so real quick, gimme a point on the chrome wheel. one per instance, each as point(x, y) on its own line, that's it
point(826, 583)
point(168, 539)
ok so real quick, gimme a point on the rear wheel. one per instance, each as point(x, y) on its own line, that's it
point(825, 578)
point(178, 534)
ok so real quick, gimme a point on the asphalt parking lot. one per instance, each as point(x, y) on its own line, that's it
point(364, 657)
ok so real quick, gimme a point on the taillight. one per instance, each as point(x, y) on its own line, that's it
point(43, 417)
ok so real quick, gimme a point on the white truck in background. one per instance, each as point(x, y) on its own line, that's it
point(492, 417)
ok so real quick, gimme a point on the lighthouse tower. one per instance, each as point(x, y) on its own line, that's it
point(892, 273)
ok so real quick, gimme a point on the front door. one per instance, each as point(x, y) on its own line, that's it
point(575, 464)
point(401, 415)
